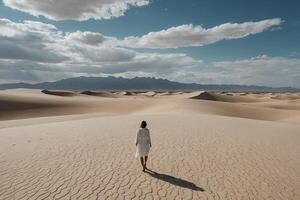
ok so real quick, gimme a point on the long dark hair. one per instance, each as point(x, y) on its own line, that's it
point(143, 124)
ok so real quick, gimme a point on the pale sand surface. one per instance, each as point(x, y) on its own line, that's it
point(238, 146)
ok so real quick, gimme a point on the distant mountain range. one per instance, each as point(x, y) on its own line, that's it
point(138, 83)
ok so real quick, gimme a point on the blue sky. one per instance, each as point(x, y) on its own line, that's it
point(203, 41)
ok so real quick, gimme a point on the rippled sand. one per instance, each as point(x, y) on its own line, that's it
point(82, 146)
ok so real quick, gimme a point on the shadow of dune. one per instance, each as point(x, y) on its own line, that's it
point(174, 181)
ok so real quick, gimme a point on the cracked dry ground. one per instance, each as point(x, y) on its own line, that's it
point(194, 157)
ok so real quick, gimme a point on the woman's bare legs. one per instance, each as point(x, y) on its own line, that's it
point(146, 158)
point(142, 162)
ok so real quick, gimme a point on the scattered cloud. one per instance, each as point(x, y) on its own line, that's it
point(181, 36)
point(189, 35)
point(263, 70)
point(28, 41)
point(30, 49)
point(75, 9)
point(33, 51)
point(90, 38)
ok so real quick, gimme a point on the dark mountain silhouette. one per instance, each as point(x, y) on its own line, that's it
point(138, 83)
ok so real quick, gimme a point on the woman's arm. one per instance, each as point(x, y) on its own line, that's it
point(137, 138)
point(149, 139)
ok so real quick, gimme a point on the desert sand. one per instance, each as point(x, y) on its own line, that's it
point(206, 145)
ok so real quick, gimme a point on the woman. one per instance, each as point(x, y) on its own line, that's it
point(143, 144)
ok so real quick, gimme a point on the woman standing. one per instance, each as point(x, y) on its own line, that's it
point(143, 144)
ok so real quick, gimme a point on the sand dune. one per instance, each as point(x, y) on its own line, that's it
point(16, 105)
point(126, 93)
point(60, 93)
point(205, 145)
point(246, 97)
point(163, 94)
point(286, 97)
point(100, 94)
point(229, 97)
point(206, 96)
point(148, 94)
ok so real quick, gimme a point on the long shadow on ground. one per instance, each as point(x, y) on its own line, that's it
point(175, 181)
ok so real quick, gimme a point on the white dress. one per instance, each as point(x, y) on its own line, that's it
point(143, 142)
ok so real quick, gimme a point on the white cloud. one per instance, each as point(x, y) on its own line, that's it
point(75, 9)
point(28, 49)
point(102, 55)
point(34, 51)
point(263, 70)
point(10, 29)
point(190, 35)
point(28, 41)
point(159, 64)
point(87, 37)
point(141, 64)
point(261, 63)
